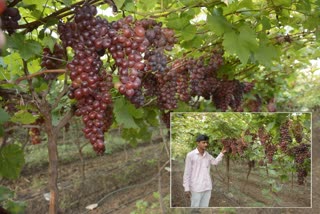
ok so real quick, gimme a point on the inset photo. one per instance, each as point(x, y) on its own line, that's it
point(241, 159)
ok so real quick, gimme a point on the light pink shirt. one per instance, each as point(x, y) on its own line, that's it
point(196, 176)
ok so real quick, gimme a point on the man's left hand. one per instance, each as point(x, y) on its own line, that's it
point(224, 150)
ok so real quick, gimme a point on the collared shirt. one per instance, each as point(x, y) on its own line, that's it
point(196, 176)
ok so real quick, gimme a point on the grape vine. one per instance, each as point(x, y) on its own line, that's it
point(285, 138)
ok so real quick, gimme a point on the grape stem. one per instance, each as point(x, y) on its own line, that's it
point(30, 76)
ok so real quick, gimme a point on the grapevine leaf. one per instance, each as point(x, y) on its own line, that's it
point(151, 117)
point(135, 112)
point(194, 43)
point(176, 22)
point(11, 161)
point(51, 22)
point(284, 3)
point(270, 126)
point(13, 64)
point(247, 138)
point(147, 5)
point(4, 116)
point(188, 33)
point(119, 3)
point(17, 207)
point(34, 66)
point(5, 193)
point(265, 23)
point(23, 117)
point(248, 38)
point(39, 3)
point(67, 2)
point(27, 48)
point(272, 173)
point(123, 117)
point(233, 45)
point(130, 6)
point(266, 53)
point(284, 178)
point(218, 24)
point(187, 2)
point(241, 44)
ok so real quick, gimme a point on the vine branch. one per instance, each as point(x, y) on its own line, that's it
point(30, 76)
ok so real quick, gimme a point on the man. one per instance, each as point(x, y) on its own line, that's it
point(196, 179)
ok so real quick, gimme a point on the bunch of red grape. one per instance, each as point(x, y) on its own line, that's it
point(270, 150)
point(263, 135)
point(90, 83)
point(285, 138)
point(298, 131)
point(253, 135)
point(234, 146)
point(229, 93)
point(248, 86)
point(265, 140)
point(52, 60)
point(165, 117)
point(301, 153)
point(183, 79)
point(302, 173)
point(254, 105)
point(34, 132)
point(167, 89)
point(10, 18)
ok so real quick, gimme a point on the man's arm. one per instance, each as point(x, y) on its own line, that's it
point(187, 174)
point(217, 160)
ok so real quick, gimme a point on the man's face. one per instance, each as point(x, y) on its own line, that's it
point(203, 145)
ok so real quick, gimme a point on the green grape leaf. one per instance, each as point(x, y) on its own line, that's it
point(248, 138)
point(13, 64)
point(266, 53)
point(248, 37)
point(4, 116)
point(130, 6)
point(135, 112)
point(16, 207)
point(188, 32)
point(67, 2)
point(5, 193)
point(26, 47)
point(11, 161)
point(241, 44)
point(147, 5)
point(233, 45)
point(151, 117)
point(270, 126)
point(176, 22)
point(23, 117)
point(123, 116)
point(39, 3)
point(218, 24)
point(51, 22)
point(119, 3)
point(265, 23)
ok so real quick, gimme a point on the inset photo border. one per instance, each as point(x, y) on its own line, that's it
point(241, 160)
